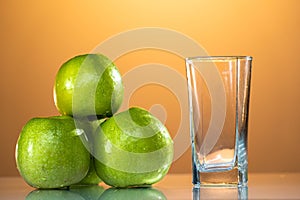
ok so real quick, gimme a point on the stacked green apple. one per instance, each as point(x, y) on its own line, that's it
point(90, 141)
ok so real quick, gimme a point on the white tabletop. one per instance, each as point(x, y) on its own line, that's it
point(178, 186)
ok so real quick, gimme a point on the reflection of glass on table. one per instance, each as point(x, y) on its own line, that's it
point(220, 193)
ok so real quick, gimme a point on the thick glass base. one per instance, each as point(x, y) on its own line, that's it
point(225, 178)
point(230, 178)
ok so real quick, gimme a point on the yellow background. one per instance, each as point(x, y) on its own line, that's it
point(36, 37)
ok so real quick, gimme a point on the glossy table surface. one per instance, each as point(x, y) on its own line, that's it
point(173, 186)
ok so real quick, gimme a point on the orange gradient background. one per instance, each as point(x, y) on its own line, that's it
point(38, 36)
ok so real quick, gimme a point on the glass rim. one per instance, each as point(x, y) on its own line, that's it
point(218, 58)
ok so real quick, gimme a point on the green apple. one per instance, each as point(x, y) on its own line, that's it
point(91, 178)
point(88, 85)
point(132, 194)
point(89, 127)
point(50, 152)
point(132, 148)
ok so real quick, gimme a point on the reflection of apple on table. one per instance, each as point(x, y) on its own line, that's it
point(53, 195)
point(96, 192)
point(88, 192)
point(92, 192)
point(132, 194)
